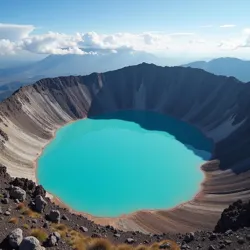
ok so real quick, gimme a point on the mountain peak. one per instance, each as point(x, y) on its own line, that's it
point(228, 66)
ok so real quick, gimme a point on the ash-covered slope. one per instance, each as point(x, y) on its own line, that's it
point(217, 105)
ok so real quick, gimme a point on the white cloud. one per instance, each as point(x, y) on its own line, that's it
point(15, 38)
point(14, 32)
point(121, 41)
point(52, 43)
point(241, 41)
point(228, 26)
point(7, 47)
point(246, 31)
point(197, 41)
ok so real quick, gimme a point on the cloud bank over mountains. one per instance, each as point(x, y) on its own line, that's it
point(15, 38)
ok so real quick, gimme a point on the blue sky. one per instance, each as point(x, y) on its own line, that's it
point(124, 15)
point(191, 29)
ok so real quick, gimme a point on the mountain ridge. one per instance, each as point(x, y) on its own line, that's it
point(227, 66)
point(217, 105)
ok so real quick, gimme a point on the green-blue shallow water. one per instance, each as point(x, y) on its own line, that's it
point(120, 163)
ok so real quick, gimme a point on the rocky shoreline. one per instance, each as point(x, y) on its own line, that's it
point(29, 220)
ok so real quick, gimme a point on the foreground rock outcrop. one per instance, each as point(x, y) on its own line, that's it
point(217, 105)
point(236, 216)
point(23, 228)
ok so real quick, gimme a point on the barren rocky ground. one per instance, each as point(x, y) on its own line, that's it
point(25, 210)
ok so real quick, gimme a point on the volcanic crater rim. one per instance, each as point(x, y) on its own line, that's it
point(217, 105)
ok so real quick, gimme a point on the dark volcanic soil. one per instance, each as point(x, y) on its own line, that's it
point(236, 217)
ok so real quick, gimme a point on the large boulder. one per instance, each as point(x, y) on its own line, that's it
point(40, 204)
point(39, 190)
point(29, 186)
point(55, 216)
point(234, 217)
point(15, 237)
point(30, 243)
point(24, 183)
point(3, 172)
point(52, 241)
point(17, 193)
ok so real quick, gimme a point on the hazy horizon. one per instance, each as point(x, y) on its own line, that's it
point(180, 31)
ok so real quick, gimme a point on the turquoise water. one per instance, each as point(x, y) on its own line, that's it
point(124, 162)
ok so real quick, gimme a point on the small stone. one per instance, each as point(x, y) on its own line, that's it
point(46, 225)
point(213, 236)
point(84, 229)
point(5, 201)
point(15, 237)
point(228, 242)
point(117, 235)
point(64, 217)
point(228, 232)
point(16, 201)
point(57, 235)
point(52, 241)
point(95, 235)
point(6, 195)
point(241, 240)
point(7, 213)
point(130, 240)
point(222, 246)
point(248, 237)
point(184, 246)
point(165, 246)
point(189, 237)
point(211, 247)
point(54, 216)
point(34, 221)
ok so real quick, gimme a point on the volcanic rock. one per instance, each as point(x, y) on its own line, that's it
point(130, 240)
point(30, 243)
point(54, 216)
point(40, 204)
point(84, 229)
point(15, 237)
point(18, 193)
point(235, 216)
point(52, 240)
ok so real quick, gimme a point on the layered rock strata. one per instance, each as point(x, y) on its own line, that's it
point(217, 105)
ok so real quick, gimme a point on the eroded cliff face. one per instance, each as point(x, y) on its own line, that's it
point(218, 105)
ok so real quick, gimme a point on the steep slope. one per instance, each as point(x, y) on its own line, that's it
point(63, 65)
point(217, 105)
point(226, 67)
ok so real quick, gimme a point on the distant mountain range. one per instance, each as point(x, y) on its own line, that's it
point(225, 66)
point(62, 65)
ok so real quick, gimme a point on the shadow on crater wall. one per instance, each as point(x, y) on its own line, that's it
point(187, 134)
